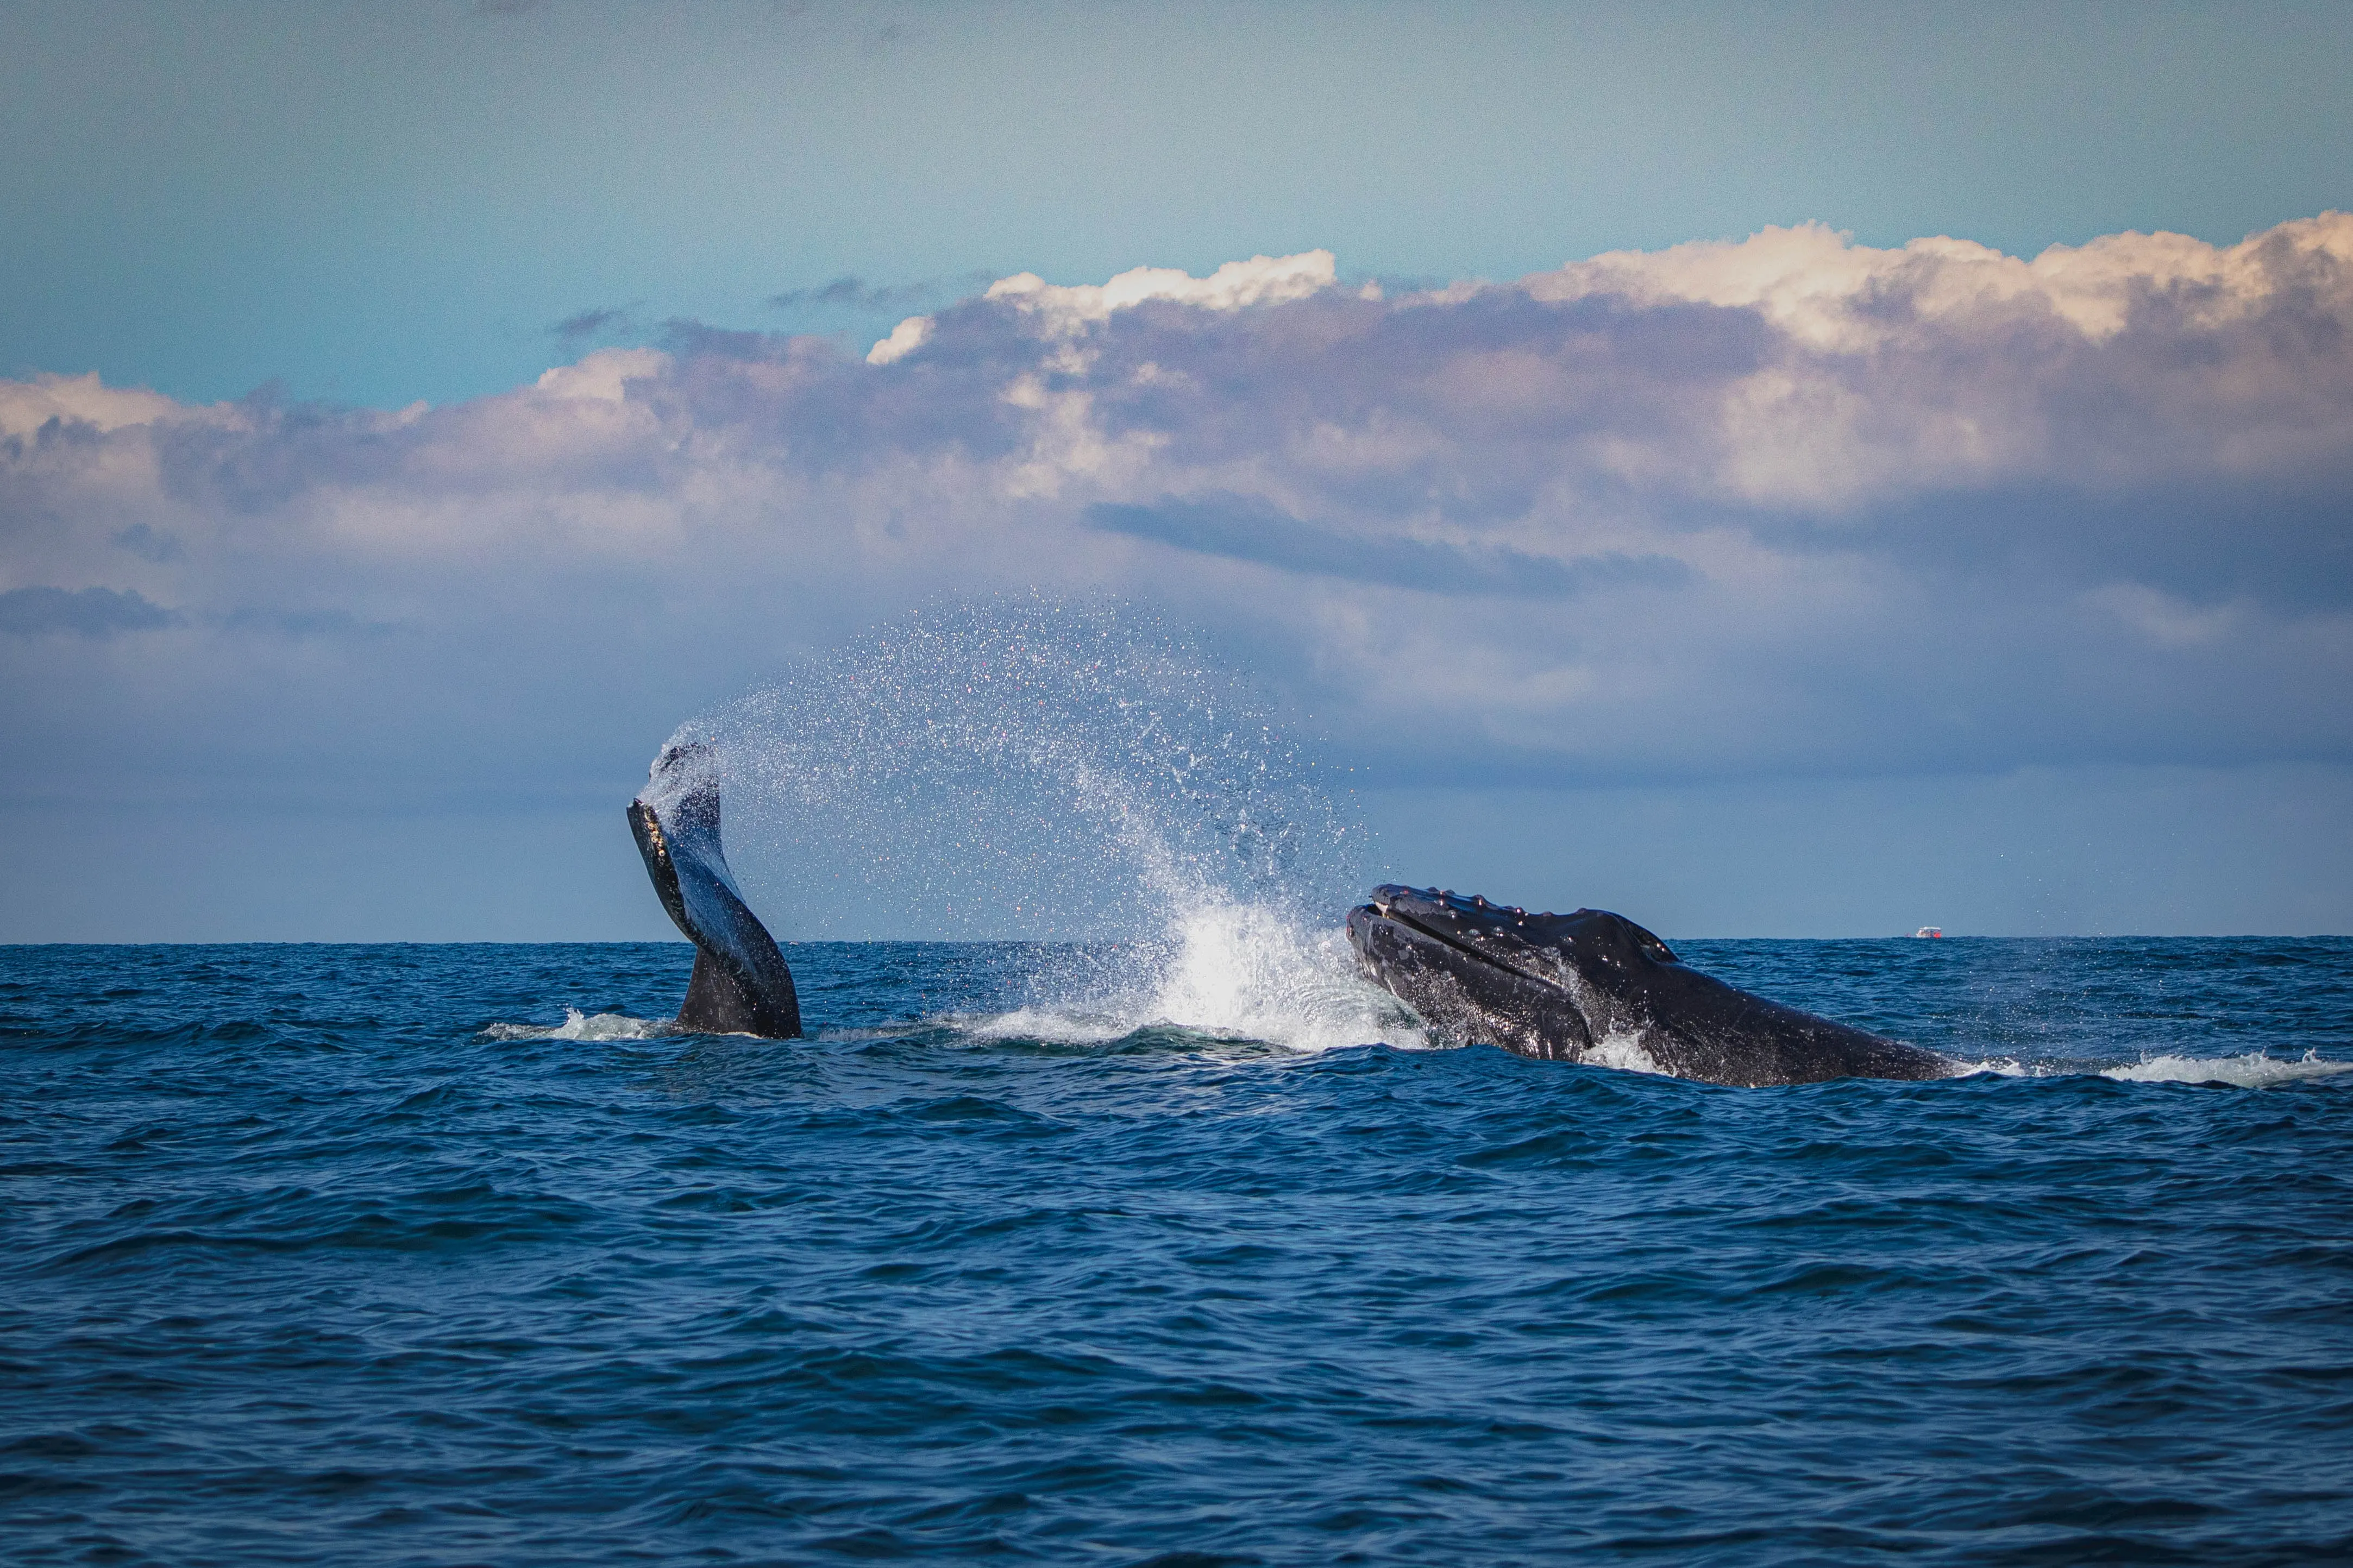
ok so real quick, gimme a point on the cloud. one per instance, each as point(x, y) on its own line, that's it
point(1788, 504)
point(1057, 310)
point(1261, 280)
point(1236, 527)
point(590, 322)
point(301, 623)
point(847, 293)
point(51, 407)
point(150, 544)
point(95, 612)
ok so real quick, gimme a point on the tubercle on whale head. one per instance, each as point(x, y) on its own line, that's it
point(1446, 902)
point(1599, 934)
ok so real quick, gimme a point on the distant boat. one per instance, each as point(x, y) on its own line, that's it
point(1929, 930)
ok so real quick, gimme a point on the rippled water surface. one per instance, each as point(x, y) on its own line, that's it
point(438, 1254)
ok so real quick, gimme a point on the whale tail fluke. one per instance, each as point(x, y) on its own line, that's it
point(717, 1004)
point(741, 984)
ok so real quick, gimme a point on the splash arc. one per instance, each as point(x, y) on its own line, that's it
point(741, 984)
point(1594, 988)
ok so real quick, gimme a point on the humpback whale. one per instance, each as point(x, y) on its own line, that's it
point(741, 984)
point(1592, 986)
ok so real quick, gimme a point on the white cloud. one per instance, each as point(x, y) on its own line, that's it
point(1788, 503)
point(1945, 362)
point(1261, 280)
point(904, 339)
point(1061, 310)
point(603, 376)
point(83, 401)
point(1826, 292)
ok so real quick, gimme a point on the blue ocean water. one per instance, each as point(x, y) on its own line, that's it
point(439, 1255)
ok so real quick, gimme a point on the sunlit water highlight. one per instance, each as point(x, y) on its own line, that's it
point(1130, 1253)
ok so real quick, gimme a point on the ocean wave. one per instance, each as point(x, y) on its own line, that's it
point(2254, 1069)
point(579, 1025)
point(903, 1288)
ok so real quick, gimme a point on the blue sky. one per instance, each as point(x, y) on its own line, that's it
point(376, 203)
point(1755, 578)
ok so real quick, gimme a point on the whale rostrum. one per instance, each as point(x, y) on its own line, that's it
point(741, 984)
point(1595, 987)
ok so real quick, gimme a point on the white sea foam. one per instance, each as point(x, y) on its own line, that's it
point(1623, 1051)
point(2252, 1071)
point(1046, 1023)
point(1224, 972)
point(579, 1025)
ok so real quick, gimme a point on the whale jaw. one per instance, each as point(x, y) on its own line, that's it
point(741, 984)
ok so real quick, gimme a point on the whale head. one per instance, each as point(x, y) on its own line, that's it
point(1594, 988)
point(1542, 984)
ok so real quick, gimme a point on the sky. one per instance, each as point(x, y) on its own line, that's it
point(1806, 471)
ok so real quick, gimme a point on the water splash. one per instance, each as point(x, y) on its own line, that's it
point(1625, 1052)
point(1041, 769)
point(1223, 973)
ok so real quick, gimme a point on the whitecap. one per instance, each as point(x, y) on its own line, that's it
point(1996, 1066)
point(1047, 1025)
point(2253, 1070)
point(579, 1025)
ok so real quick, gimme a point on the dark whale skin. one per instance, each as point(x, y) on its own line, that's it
point(1552, 987)
point(741, 984)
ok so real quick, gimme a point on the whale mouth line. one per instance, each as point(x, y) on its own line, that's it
point(1382, 908)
